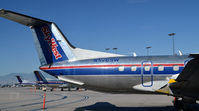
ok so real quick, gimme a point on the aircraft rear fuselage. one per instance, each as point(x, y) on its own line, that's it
point(119, 74)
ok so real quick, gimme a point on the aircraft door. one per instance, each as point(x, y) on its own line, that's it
point(147, 74)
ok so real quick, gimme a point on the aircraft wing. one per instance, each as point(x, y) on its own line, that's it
point(187, 83)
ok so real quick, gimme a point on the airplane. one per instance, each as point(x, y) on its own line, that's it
point(50, 83)
point(171, 75)
point(24, 83)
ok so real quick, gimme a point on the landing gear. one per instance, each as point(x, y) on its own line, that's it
point(62, 89)
point(184, 104)
point(178, 104)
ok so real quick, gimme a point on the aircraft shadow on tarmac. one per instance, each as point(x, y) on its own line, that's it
point(105, 106)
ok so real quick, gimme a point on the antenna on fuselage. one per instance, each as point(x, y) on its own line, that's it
point(180, 53)
point(134, 54)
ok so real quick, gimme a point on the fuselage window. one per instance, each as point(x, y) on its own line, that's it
point(147, 68)
point(121, 68)
point(175, 68)
point(133, 68)
point(160, 68)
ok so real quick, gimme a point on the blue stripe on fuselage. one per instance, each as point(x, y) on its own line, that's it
point(51, 82)
point(110, 71)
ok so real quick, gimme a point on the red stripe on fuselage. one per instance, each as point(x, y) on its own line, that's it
point(101, 66)
point(87, 66)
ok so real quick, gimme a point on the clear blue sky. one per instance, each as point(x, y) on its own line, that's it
point(129, 25)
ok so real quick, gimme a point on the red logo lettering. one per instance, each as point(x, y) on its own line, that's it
point(51, 42)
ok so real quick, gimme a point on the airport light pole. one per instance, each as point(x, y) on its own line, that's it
point(172, 35)
point(115, 50)
point(147, 48)
point(107, 49)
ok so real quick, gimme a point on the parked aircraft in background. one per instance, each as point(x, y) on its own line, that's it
point(170, 75)
point(50, 83)
point(25, 83)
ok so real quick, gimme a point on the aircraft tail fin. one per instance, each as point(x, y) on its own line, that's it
point(39, 76)
point(19, 79)
point(52, 46)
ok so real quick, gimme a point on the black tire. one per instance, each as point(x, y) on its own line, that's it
point(178, 104)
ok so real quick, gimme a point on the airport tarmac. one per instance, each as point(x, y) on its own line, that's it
point(26, 99)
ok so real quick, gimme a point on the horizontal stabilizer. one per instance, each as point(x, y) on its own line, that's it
point(22, 19)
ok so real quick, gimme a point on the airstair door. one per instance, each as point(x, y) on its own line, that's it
point(147, 73)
